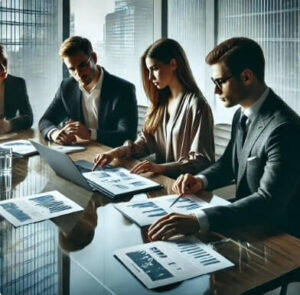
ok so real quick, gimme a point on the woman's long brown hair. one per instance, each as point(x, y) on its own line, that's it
point(163, 50)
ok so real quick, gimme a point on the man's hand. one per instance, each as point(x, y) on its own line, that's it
point(5, 126)
point(147, 166)
point(61, 137)
point(187, 184)
point(78, 129)
point(171, 225)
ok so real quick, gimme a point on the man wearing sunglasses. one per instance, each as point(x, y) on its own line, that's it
point(262, 157)
point(92, 103)
point(15, 109)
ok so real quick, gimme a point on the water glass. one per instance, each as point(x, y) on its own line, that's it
point(5, 172)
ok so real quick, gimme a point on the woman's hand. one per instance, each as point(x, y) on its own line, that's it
point(147, 166)
point(102, 159)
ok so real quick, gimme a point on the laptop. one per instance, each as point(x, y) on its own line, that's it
point(113, 182)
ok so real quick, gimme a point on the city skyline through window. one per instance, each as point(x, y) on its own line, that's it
point(120, 31)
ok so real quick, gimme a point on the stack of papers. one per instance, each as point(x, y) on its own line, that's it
point(119, 182)
point(162, 263)
point(23, 148)
point(145, 212)
point(20, 147)
point(38, 207)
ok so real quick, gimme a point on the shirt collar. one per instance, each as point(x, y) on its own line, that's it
point(252, 111)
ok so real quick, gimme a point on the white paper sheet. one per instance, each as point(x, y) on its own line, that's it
point(37, 207)
point(20, 146)
point(25, 148)
point(162, 263)
point(145, 212)
point(67, 148)
point(119, 180)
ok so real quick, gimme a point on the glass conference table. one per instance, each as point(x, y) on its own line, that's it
point(74, 254)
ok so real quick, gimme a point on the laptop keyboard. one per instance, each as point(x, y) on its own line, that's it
point(82, 169)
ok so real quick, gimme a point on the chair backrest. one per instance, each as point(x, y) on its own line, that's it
point(222, 133)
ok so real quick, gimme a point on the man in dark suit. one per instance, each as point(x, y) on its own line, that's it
point(262, 157)
point(97, 105)
point(15, 109)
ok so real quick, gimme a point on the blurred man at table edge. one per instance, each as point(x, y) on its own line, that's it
point(15, 109)
point(262, 157)
point(95, 104)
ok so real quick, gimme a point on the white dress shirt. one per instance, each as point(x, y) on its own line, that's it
point(251, 113)
point(90, 105)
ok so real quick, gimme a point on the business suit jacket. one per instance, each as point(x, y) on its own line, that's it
point(17, 108)
point(117, 115)
point(267, 175)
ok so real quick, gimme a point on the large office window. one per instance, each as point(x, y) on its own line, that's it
point(31, 33)
point(120, 31)
point(274, 24)
point(201, 24)
point(187, 25)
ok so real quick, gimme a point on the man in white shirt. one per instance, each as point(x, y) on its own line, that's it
point(97, 105)
point(262, 157)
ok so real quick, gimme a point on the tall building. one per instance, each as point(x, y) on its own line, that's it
point(128, 31)
point(275, 26)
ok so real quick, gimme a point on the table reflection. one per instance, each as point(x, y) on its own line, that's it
point(83, 231)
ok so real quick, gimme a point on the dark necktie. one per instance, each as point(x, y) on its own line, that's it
point(241, 134)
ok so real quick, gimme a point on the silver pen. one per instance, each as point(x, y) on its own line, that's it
point(176, 200)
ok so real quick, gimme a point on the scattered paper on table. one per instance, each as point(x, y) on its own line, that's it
point(162, 263)
point(145, 212)
point(38, 207)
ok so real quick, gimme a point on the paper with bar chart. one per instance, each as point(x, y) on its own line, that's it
point(145, 212)
point(38, 207)
point(118, 181)
point(162, 263)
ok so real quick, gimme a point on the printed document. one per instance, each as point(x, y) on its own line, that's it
point(38, 207)
point(119, 181)
point(23, 147)
point(145, 212)
point(160, 263)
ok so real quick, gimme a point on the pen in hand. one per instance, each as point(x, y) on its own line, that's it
point(176, 200)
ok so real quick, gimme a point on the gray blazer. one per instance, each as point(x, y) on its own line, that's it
point(268, 174)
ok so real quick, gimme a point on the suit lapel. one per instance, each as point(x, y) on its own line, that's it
point(8, 97)
point(234, 149)
point(255, 131)
point(76, 96)
point(104, 95)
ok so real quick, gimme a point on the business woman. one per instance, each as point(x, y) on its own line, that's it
point(178, 127)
